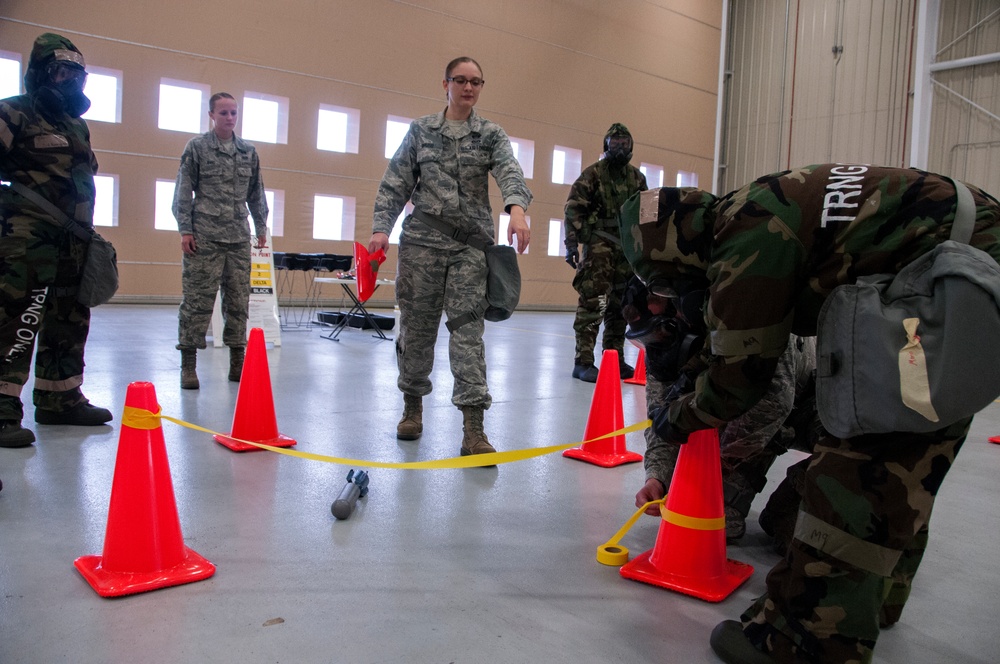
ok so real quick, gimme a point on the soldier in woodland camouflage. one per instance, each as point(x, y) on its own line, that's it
point(218, 181)
point(591, 222)
point(442, 166)
point(769, 254)
point(45, 147)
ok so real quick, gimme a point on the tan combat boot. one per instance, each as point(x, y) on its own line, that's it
point(474, 439)
point(236, 354)
point(189, 378)
point(411, 425)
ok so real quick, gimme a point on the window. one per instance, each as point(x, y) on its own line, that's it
point(565, 165)
point(654, 175)
point(338, 129)
point(333, 218)
point(104, 89)
point(502, 234)
point(398, 226)
point(395, 131)
point(265, 118)
point(106, 203)
point(275, 213)
point(557, 238)
point(10, 74)
point(687, 179)
point(163, 217)
point(524, 152)
point(183, 106)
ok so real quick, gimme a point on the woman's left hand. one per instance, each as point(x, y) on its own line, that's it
point(518, 226)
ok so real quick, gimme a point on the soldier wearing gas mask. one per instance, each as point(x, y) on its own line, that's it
point(593, 249)
point(45, 152)
point(770, 254)
point(669, 326)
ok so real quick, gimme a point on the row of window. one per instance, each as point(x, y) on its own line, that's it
point(333, 216)
point(183, 106)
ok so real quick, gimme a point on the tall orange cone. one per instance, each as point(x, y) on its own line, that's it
point(254, 419)
point(690, 551)
point(639, 377)
point(605, 416)
point(143, 546)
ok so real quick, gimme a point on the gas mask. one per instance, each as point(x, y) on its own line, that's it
point(673, 334)
point(62, 91)
point(618, 149)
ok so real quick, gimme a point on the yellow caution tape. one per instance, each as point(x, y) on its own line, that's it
point(611, 553)
point(139, 418)
point(692, 522)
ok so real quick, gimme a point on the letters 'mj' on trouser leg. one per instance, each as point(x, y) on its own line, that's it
point(824, 599)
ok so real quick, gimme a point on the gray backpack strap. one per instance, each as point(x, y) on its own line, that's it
point(73, 227)
point(965, 215)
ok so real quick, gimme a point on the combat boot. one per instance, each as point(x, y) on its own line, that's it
point(474, 439)
point(736, 524)
point(189, 377)
point(411, 425)
point(83, 414)
point(236, 355)
point(625, 370)
point(732, 646)
point(13, 435)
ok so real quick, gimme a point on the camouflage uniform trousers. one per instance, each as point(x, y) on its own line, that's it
point(41, 264)
point(225, 264)
point(430, 281)
point(600, 280)
point(861, 533)
point(749, 444)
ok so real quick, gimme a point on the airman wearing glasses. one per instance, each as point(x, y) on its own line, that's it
point(442, 166)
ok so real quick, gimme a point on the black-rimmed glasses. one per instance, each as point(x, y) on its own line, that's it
point(460, 81)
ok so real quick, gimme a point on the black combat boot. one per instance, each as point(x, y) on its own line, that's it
point(732, 646)
point(236, 355)
point(585, 372)
point(189, 377)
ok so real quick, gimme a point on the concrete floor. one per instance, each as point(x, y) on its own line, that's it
point(462, 566)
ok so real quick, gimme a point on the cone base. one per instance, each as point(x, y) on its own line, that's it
point(710, 590)
point(114, 584)
point(603, 460)
point(238, 446)
point(635, 381)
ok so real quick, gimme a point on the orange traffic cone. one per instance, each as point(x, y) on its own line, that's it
point(143, 546)
point(254, 419)
point(605, 416)
point(639, 377)
point(995, 439)
point(690, 551)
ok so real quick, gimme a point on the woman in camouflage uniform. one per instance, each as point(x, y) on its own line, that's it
point(442, 166)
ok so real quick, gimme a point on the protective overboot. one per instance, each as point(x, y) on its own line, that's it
point(585, 372)
point(83, 414)
point(732, 646)
point(411, 425)
point(626, 371)
point(236, 355)
point(474, 439)
point(736, 524)
point(189, 377)
point(12, 434)
point(778, 517)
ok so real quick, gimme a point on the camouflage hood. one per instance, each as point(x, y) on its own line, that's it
point(667, 232)
point(618, 130)
point(49, 47)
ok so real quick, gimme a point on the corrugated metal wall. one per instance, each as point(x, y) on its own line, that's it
point(965, 140)
point(831, 80)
